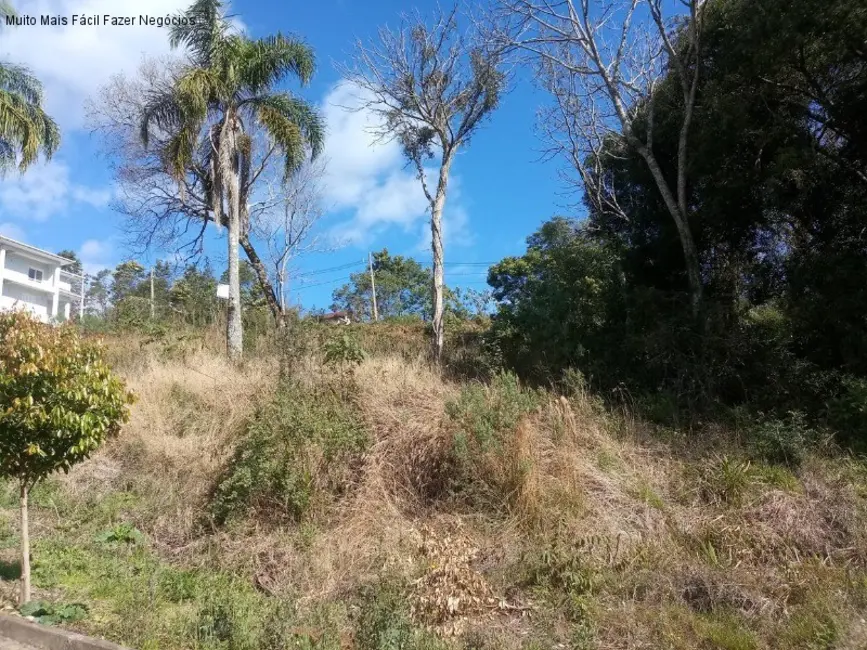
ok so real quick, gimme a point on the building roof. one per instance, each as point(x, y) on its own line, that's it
point(13, 244)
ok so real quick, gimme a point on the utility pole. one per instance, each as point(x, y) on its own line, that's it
point(81, 303)
point(152, 292)
point(372, 286)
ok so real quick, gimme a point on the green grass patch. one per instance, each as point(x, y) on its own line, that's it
point(489, 467)
point(131, 596)
point(384, 623)
point(297, 453)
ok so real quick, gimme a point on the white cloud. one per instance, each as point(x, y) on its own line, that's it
point(371, 178)
point(94, 248)
point(456, 220)
point(74, 61)
point(46, 190)
point(95, 255)
point(11, 230)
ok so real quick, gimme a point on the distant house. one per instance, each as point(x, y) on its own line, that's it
point(336, 318)
point(34, 279)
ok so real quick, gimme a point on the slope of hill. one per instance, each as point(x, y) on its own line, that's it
point(379, 506)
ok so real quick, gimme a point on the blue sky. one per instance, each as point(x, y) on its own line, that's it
point(499, 194)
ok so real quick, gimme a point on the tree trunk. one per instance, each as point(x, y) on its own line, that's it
point(231, 176)
point(687, 243)
point(264, 281)
point(436, 227)
point(25, 548)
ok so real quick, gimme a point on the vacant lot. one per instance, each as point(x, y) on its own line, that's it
point(380, 506)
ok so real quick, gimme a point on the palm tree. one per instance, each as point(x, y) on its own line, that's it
point(208, 114)
point(25, 129)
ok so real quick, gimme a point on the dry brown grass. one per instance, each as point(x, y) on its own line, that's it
point(181, 426)
point(664, 560)
point(582, 482)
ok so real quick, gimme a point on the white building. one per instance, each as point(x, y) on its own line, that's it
point(34, 279)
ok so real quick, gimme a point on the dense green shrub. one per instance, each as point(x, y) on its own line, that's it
point(847, 412)
point(343, 348)
point(384, 622)
point(489, 464)
point(298, 450)
point(784, 441)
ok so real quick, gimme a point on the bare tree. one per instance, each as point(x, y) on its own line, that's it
point(602, 61)
point(158, 213)
point(287, 215)
point(432, 84)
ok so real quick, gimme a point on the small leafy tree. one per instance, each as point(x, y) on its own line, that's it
point(343, 349)
point(59, 402)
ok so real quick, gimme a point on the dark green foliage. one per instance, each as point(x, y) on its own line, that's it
point(777, 192)
point(54, 613)
point(297, 451)
point(555, 301)
point(194, 295)
point(784, 441)
point(384, 622)
point(343, 349)
point(847, 411)
point(124, 533)
point(402, 289)
point(489, 467)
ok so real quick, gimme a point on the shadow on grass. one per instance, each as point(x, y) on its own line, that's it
point(10, 570)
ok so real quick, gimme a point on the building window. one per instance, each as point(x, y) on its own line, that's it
point(35, 274)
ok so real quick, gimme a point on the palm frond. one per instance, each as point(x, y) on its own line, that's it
point(228, 63)
point(18, 79)
point(7, 9)
point(286, 135)
point(196, 90)
point(23, 126)
point(162, 111)
point(282, 114)
point(50, 132)
point(177, 154)
point(269, 60)
point(203, 32)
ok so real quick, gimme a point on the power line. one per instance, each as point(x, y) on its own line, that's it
point(318, 284)
point(333, 268)
point(360, 263)
point(350, 265)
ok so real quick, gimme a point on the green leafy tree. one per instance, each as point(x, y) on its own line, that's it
point(776, 209)
point(98, 295)
point(402, 289)
point(194, 295)
point(59, 402)
point(210, 110)
point(129, 295)
point(71, 255)
point(126, 281)
point(25, 128)
point(557, 303)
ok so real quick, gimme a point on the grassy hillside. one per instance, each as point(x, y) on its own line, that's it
point(382, 507)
